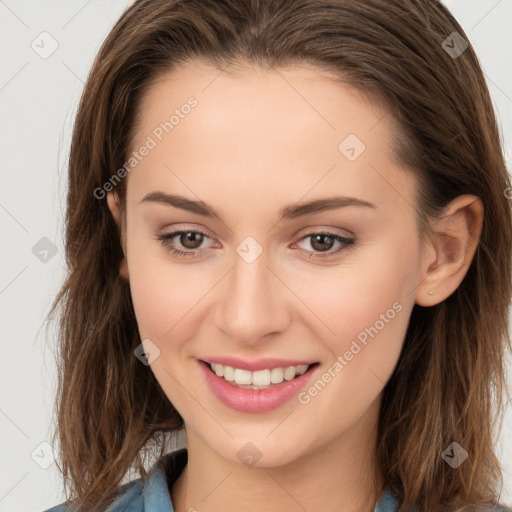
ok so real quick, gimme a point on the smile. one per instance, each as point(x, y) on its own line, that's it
point(256, 391)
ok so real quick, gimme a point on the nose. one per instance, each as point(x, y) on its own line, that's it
point(253, 303)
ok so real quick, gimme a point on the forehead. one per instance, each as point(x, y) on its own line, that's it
point(268, 101)
point(272, 132)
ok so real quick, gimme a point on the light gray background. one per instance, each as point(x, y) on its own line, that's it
point(38, 99)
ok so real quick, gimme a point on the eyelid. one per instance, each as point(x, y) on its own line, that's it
point(345, 233)
point(187, 227)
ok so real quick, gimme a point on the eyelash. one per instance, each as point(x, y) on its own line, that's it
point(166, 238)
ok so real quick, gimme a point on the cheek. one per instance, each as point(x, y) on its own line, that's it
point(166, 297)
point(369, 283)
point(368, 308)
point(169, 296)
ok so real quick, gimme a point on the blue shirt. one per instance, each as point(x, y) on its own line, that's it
point(151, 494)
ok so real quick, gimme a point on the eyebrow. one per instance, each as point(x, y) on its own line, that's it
point(289, 212)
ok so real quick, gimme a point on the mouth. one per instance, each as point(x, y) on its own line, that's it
point(258, 391)
point(259, 379)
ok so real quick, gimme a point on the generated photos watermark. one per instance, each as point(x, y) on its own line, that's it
point(342, 361)
point(157, 135)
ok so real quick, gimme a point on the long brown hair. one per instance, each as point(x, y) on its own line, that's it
point(449, 382)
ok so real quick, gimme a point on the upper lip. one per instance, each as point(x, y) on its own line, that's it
point(266, 363)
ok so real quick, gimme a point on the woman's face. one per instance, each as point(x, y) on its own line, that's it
point(264, 289)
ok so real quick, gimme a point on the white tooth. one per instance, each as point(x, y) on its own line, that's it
point(289, 373)
point(261, 378)
point(276, 375)
point(229, 373)
point(302, 369)
point(242, 376)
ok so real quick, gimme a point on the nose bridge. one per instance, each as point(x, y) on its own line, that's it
point(251, 304)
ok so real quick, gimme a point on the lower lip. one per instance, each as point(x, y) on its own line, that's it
point(255, 400)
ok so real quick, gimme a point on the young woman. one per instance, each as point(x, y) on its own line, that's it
point(289, 235)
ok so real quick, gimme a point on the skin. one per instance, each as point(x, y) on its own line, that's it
point(257, 141)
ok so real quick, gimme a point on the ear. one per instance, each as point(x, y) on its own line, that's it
point(114, 207)
point(447, 255)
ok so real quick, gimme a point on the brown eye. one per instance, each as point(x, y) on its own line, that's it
point(191, 239)
point(322, 242)
point(183, 243)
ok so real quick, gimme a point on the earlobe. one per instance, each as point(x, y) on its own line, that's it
point(449, 252)
point(115, 210)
